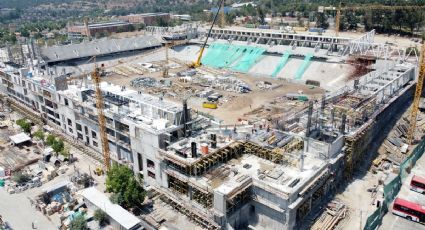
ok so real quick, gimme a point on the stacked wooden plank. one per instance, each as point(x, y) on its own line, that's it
point(336, 211)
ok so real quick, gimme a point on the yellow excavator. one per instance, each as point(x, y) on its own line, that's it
point(198, 63)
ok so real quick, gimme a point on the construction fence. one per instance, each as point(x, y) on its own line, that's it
point(391, 189)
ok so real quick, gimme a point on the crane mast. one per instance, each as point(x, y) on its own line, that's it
point(101, 117)
point(418, 94)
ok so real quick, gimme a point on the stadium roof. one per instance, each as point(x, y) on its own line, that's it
point(97, 48)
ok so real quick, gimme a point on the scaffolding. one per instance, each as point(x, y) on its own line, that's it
point(178, 185)
point(232, 151)
point(203, 198)
point(239, 199)
point(197, 217)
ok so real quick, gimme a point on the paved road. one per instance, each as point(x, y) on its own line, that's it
point(393, 222)
point(18, 212)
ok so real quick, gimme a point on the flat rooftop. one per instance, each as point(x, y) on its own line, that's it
point(116, 212)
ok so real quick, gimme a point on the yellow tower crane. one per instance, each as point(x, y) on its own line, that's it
point(222, 15)
point(418, 94)
point(95, 74)
point(367, 7)
point(101, 116)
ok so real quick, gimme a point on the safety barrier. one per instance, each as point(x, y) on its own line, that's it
point(282, 63)
point(391, 189)
point(303, 67)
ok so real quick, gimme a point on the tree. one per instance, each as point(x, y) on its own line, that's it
point(39, 134)
point(101, 217)
point(348, 21)
point(66, 150)
point(78, 223)
point(50, 140)
point(127, 190)
point(117, 198)
point(26, 126)
point(261, 16)
point(322, 21)
point(58, 146)
point(20, 178)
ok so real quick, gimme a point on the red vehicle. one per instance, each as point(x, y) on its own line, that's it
point(409, 210)
point(417, 184)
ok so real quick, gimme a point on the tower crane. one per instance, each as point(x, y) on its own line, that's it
point(367, 7)
point(222, 15)
point(418, 94)
point(101, 116)
point(95, 74)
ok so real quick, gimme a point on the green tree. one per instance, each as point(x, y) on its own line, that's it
point(66, 150)
point(101, 217)
point(58, 146)
point(39, 134)
point(120, 180)
point(50, 140)
point(117, 198)
point(26, 126)
point(20, 177)
point(78, 223)
point(322, 21)
point(348, 21)
point(261, 16)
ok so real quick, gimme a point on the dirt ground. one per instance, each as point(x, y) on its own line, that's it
point(13, 156)
point(233, 105)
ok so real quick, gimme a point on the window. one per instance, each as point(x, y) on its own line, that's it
point(151, 174)
point(95, 144)
point(70, 130)
point(150, 164)
point(417, 184)
point(66, 101)
point(80, 136)
point(93, 134)
point(86, 130)
point(79, 127)
point(69, 122)
point(140, 161)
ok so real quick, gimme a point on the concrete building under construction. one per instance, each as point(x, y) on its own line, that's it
point(260, 175)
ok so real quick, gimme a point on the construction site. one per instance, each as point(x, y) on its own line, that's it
point(260, 132)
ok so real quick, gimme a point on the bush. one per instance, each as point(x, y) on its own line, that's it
point(26, 126)
point(58, 146)
point(39, 134)
point(101, 216)
point(79, 223)
point(50, 140)
point(20, 178)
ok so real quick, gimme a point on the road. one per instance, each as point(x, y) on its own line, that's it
point(393, 222)
point(16, 209)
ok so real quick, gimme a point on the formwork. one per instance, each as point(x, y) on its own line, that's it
point(369, 137)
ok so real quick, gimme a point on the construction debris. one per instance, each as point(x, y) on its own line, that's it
point(334, 213)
